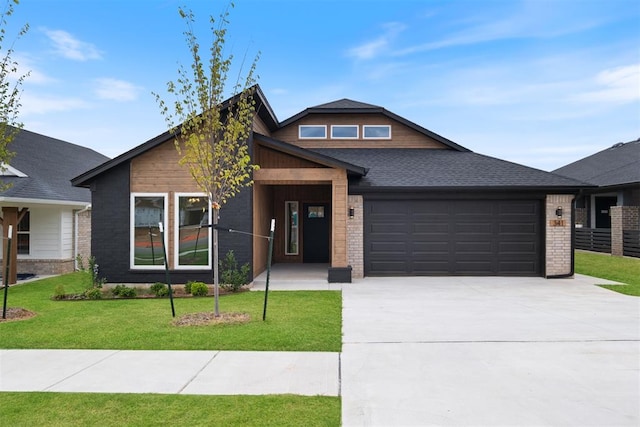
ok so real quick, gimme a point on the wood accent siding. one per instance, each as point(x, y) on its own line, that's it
point(158, 170)
point(269, 158)
point(401, 136)
point(263, 212)
point(260, 127)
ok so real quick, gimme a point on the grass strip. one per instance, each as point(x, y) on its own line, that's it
point(93, 409)
point(619, 269)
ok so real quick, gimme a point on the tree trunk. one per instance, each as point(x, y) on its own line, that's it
point(216, 310)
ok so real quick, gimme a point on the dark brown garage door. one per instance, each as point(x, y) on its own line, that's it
point(453, 237)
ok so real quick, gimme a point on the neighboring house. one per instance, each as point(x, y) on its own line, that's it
point(615, 202)
point(349, 184)
point(50, 217)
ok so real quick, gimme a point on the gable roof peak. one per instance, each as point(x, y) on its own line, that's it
point(346, 104)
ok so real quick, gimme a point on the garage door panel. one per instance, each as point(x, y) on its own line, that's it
point(484, 237)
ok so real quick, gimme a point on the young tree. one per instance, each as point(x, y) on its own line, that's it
point(211, 133)
point(10, 84)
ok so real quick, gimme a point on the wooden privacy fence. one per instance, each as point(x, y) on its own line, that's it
point(599, 240)
point(594, 239)
point(631, 243)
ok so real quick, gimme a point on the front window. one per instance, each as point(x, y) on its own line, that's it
point(312, 132)
point(147, 211)
point(23, 234)
point(344, 131)
point(376, 131)
point(193, 241)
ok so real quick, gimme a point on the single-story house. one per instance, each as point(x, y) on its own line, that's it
point(351, 185)
point(50, 217)
point(608, 214)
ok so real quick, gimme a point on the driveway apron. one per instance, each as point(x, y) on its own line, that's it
point(489, 351)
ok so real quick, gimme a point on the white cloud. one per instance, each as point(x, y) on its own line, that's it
point(116, 90)
point(69, 47)
point(615, 85)
point(379, 45)
point(25, 65)
point(47, 104)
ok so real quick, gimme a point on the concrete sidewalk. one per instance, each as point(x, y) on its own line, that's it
point(177, 372)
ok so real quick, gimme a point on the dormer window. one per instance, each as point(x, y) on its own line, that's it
point(376, 131)
point(312, 132)
point(344, 131)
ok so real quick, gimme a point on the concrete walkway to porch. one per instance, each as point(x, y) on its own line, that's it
point(296, 277)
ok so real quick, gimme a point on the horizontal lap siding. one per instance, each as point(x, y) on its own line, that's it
point(443, 237)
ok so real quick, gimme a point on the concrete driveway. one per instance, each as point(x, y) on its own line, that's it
point(489, 351)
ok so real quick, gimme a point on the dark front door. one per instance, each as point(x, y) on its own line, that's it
point(603, 211)
point(316, 229)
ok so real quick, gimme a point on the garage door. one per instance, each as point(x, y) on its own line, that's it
point(453, 237)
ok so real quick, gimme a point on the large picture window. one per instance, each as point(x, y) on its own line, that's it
point(193, 242)
point(147, 210)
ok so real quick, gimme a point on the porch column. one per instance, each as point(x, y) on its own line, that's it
point(616, 231)
point(339, 192)
point(10, 218)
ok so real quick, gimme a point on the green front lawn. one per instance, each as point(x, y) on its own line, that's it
point(296, 321)
point(95, 409)
point(620, 269)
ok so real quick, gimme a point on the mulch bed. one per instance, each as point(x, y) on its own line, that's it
point(209, 318)
point(17, 313)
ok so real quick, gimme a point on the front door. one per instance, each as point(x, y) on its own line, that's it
point(316, 229)
point(603, 211)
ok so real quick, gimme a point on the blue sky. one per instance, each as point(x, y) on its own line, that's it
point(541, 83)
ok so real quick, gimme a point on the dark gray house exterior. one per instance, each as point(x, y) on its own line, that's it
point(610, 209)
point(351, 185)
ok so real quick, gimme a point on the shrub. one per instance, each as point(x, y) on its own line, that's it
point(124, 291)
point(159, 289)
point(232, 278)
point(199, 289)
point(59, 292)
point(187, 287)
point(93, 293)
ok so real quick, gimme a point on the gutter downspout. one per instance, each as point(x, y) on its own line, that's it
point(75, 245)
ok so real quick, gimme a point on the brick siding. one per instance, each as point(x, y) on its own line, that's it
point(559, 254)
point(355, 237)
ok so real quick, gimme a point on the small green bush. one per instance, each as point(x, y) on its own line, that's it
point(187, 286)
point(199, 289)
point(93, 293)
point(59, 292)
point(159, 289)
point(232, 278)
point(124, 291)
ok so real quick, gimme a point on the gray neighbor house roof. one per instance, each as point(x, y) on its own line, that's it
point(49, 164)
point(615, 166)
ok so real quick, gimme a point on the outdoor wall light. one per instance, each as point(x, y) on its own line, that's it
point(559, 212)
point(352, 212)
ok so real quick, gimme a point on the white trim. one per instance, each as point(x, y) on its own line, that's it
point(364, 131)
point(132, 229)
point(345, 126)
point(24, 201)
point(176, 233)
point(312, 137)
point(4, 168)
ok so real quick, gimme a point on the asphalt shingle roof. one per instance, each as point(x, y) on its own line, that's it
point(616, 165)
point(429, 169)
point(49, 164)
